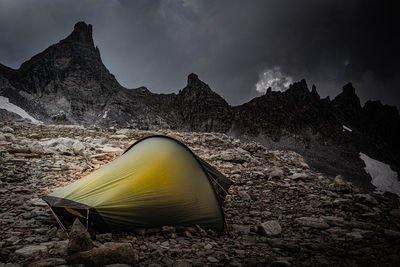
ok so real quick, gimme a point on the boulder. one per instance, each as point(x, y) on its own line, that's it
point(395, 213)
point(62, 149)
point(212, 259)
point(312, 222)
point(7, 129)
point(4, 254)
point(79, 238)
point(48, 262)
point(109, 253)
point(298, 176)
point(107, 237)
point(340, 185)
point(119, 136)
point(37, 148)
point(124, 131)
point(270, 228)
point(168, 229)
point(110, 149)
point(33, 251)
point(276, 173)
point(244, 195)
point(78, 147)
point(392, 233)
point(366, 199)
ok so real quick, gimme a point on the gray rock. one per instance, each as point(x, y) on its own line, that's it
point(79, 238)
point(107, 237)
point(212, 259)
point(392, 233)
point(109, 253)
point(276, 173)
point(165, 244)
point(36, 148)
point(111, 149)
point(124, 131)
point(270, 228)
point(245, 229)
point(395, 213)
point(333, 220)
point(50, 262)
point(7, 129)
point(298, 176)
point(78, 147)
point(118, 136)
point(355, 235)
point(340, 185)
point(244, 195)
point(312, 222)
point(63, 149)
point(33, 251)
point(9, 137)
point(366, 199)
point(208, 246)
point(168, 229)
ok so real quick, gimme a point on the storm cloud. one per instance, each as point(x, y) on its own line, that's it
point(229, 44)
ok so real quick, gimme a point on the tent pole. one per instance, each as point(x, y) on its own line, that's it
point(87, 219)
point(215, 181)
point(59, 222)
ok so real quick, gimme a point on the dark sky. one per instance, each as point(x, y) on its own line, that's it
point(237, 47)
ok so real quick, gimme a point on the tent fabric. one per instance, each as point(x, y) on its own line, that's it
point(157, 181)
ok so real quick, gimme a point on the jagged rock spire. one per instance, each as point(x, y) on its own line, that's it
point(347, 98)
point(349, 89)
point(83, 33)
point(314, 92)
point(193, 79)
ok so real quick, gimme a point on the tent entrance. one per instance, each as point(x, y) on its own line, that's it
point(70, 210)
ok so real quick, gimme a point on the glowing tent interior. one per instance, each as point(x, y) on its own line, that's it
point(157, 181)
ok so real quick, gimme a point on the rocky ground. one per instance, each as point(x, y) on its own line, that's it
point(279, 211)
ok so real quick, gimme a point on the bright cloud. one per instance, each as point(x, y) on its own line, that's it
point(273, 78)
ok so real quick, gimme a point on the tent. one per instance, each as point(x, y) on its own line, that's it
point(157, 181)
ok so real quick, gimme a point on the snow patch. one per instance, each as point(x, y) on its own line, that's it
point(105, 114)
point(383, 177)
point(347, 128)
point(5, 104)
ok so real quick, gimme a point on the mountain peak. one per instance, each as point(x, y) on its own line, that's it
point(349, 89)
point(301, 85)
point(193, 79)
point(314, 92)
point(299, 89)
point(348, 96)
point(82, 33)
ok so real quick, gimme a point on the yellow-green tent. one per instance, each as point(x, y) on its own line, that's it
point(157, 181)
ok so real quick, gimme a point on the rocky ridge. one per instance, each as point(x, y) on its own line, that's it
point(279, 211)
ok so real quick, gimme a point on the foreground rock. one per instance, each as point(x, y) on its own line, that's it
point(108, 253)
point(270, 228)
point(31, 252)
point(79, 238)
